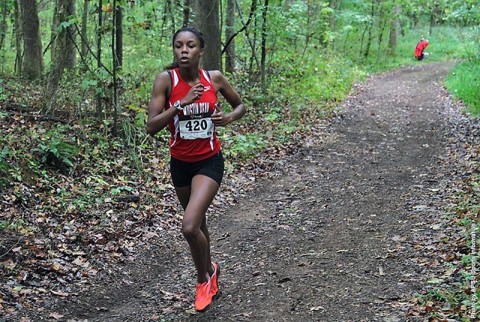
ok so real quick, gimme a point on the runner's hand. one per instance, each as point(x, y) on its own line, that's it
point(219, 118)
point(193, 94)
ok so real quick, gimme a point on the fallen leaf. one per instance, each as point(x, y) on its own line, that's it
point(60, 293)
point(56, 316)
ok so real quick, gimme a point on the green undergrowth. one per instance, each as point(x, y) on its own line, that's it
point(464, 83)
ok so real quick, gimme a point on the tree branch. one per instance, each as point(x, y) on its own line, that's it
point(245, 25)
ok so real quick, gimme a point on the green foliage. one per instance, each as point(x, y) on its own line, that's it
point(4, 167)
point(243, 146)
point(466, 13)
point(71, 21)
point(3, 93)
point(18, 225)
point(464, 83)
point(320, 78)
point(57, 150)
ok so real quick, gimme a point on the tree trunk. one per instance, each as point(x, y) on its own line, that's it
point(3, 24)
point(253, 46)
point(310, 16)
point(170, 6)
point(116, 59)
point(186, 12)
point(382, 27)
point(164, 22)
point(264, 46)
point(32, 62)
point(119, 36)
point(245, 25)
point(53, 32)
point(207, 21)
point(229, 32)
point(370, 31)
point(394, 28)
point(70, 48)
point(63, 50)
point(361, 42)
point(63, 37)
point(332, 4)
point(433, 16)
point(99, 54)
point(84, 51)
point(18, 39)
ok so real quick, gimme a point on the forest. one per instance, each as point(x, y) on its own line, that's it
point(79, 175)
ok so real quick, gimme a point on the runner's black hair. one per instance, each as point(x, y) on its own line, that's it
point(194, 31)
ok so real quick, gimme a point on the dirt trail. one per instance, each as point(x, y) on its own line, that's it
point(330, 236)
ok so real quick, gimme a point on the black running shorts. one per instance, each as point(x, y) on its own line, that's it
point(183, 172)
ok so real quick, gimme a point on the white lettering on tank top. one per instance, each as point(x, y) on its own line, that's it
point(196, 108)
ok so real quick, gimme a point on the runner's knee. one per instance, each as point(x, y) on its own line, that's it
point(190, 231)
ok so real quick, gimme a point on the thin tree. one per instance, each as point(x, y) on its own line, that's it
point(170, 7)
point(115, 63)
point(3, 23)
point(245, 25)
point(18, 39)
point(186, 12)
point(333, 5)
point(394, 29)
point(99, 54)
point(311, 9)
point(254, 47)
point(433, 16)
point(119, 36)
point(64, 51)
point(370, 29)
point(168, 13)
point(32, 62)
point(84, 29)
point(229, 32)
point(264, 46)
point(53, 32)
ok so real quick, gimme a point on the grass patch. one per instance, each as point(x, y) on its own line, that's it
point(464, 83)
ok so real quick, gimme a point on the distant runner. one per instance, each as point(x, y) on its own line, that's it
point(419, 49)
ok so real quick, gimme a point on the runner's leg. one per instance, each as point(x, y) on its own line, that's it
point(194, 227)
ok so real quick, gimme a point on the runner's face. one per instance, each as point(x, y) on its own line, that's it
point(186, 48)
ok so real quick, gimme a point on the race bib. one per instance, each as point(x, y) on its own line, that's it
point(199, 126)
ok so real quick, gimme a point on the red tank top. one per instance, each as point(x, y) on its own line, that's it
point(193, 136)
point(420, 48)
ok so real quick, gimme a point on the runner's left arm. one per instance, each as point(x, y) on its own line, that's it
point(221, 84)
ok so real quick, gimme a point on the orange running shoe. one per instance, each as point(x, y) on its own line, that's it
point(214, 279)
point(203, 298)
